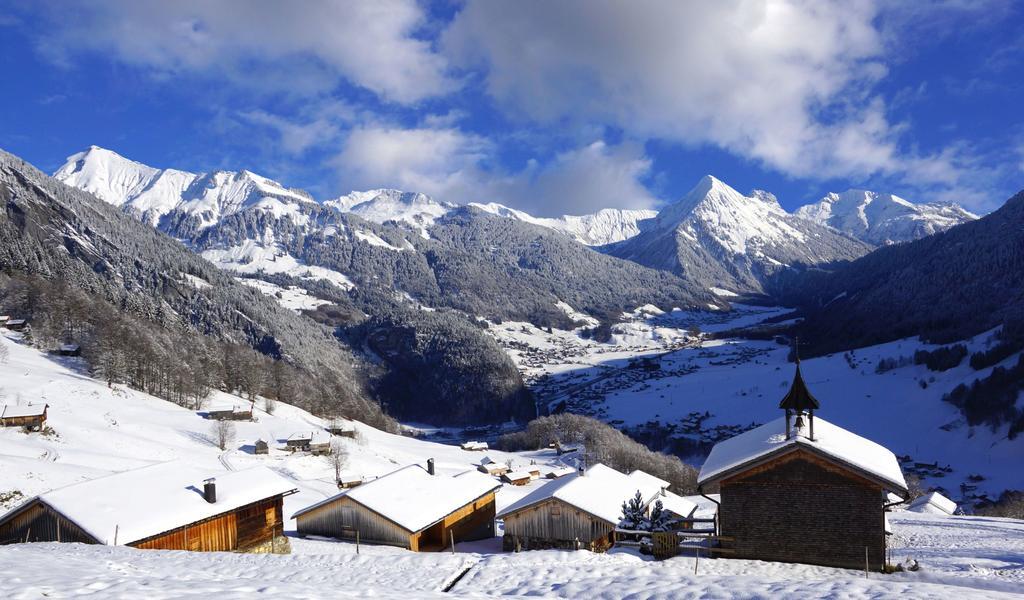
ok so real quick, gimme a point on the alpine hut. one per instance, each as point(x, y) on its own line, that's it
point(803, 491)
point(491, 467)
point(413, 507)
point(167, 506)
point(576, 511)
point(32, 416)
point(229, 412)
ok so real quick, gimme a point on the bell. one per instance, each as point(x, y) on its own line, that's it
point(799, 422)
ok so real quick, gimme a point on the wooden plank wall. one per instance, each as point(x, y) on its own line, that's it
point(556, 521)
point(343, 517)
point(40, 523)
point(239, 529)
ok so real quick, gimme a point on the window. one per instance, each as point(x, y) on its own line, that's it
point(348, 516)
point(556, 510)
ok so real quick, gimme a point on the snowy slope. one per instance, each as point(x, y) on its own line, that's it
point(880, 219)
point(718, 237)
point(606, 226)
point(740, 382)
point(966, 558)
point(414, 209)
point(99, 430)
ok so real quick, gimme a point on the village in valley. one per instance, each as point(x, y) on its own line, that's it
point(791, 501)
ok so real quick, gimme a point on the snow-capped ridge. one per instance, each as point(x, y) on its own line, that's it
point(880, 218)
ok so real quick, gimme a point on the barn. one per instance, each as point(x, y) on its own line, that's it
point(167, 506)
point(808, 492)
point(413, 508)
point(32, 416)
point(577, 511)
point(229, 412)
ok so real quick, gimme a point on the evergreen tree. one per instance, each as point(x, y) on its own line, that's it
point(633, 516)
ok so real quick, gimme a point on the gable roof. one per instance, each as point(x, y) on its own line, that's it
point(151, 500)
point(414, 499)
point(11, 411)
point(677, 504)
point(600, 492)
point(832, 442)
point(933, 503)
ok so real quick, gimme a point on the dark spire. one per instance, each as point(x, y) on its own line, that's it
point(799, 398)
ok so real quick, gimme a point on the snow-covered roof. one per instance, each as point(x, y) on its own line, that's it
point(516, 475)
point(144, 502)
point(68, 347)
point(16, 321)
point(600, 492)
point(226, 407)
point(319, 437)
point(11, 411)
point(302, 435)
point(649, 479)
point(830, 441)
point(414, 499)
point(554, 472)
point(933, 503)
point(677, 504)
point(474, 446)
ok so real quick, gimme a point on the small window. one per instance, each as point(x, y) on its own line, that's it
point(347, 516)
point(556, 510)
point(271, 515)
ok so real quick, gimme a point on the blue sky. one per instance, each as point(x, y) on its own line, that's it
point(554, 108)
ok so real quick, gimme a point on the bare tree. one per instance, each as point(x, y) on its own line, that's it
point(5, 354)
point(223, 433)
point(338, 457)
point(269, 405)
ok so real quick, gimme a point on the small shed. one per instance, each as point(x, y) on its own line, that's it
point(341, 428)
point(262, 447)
point(16, 324)
point(32, 416)
point(413, 508)
point(575, 511)
point(474, 446)
point(492, 467)
point(808, 492)
point(564, 448)
point(933, 503)
point(347, 480)
point(69, 350)
point(516, 477)
point(167, 506)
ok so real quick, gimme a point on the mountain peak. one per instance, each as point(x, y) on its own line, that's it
point(880, 218)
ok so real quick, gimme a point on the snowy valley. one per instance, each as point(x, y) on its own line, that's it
point(98, 429)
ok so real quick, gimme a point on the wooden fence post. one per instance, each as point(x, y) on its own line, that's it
point(27, 534)
point(865, 562)
point(451, 536)
point(357, 541)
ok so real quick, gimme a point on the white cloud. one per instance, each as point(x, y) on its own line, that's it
point(304, 47)
point(454, 166)
point(440, 162)
point(783, 83)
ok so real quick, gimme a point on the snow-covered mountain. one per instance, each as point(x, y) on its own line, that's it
point(172, 199)
point(717, 237)
point(606, 226)
point(153, 194)
point(881, 219)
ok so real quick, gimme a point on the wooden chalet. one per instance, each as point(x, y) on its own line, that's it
point(261, 447)
point(474, 446)
point(299, 440)
point(319, 443)
point(804, 491)
point(491, 467)
point(341, 428)
point(32, 416)
point(230, 412)
point(413, 508)
point(69, 350)
point(16, 324)
point(167, 506)
point(516, 477)
point(576, 511)
point(347, 480)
